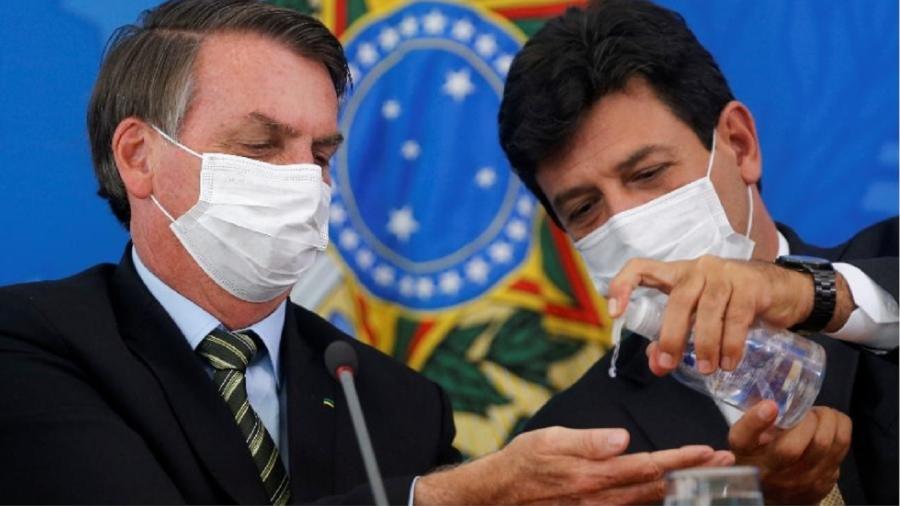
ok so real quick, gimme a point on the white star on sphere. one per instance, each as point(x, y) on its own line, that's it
point(477, 270)
point(367, 54)
point(486, 45)
point(407, 286)
point(524, 205)
point(450, 283)
point(364, 259)
point(485, 177)
point(349, 239)
point(503, 62)
point(390, 109)
point(500, 252)
point(517, 230)
point(434, 22)
point(402, 224)
point(409, 26)
point(458, 85)
point(424, 288)
point(384, 275)
point(410, 150)
point(463, 30)
point(388, 38)
point(337, 214)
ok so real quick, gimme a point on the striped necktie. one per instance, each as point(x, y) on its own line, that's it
point(229, 353)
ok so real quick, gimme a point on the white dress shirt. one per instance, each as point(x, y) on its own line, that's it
point(263, 375)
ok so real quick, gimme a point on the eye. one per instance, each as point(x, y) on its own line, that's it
point(650, 173)
point(258, 146)
point(580, 211)
point(323, 161)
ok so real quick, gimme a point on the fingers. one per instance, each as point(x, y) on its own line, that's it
point(738, 318)
point(790, 445)
point(642, 272)
point(709, 323)
point(653, 360)
point(822, 440)
point(645, 467)
point(593, 444)
point(744, 436)
point(677, 321)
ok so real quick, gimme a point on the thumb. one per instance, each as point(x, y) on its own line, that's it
point(594, 444)
point(744, 436)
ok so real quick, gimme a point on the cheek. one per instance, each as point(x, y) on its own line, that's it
point(176, 184)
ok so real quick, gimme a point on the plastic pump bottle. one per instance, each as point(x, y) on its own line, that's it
point(777, 364)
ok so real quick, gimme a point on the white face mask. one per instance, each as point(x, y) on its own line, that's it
point(256, 226)
point(683, 224)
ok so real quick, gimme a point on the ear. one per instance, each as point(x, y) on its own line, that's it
point(738, 130)
point(131, 149)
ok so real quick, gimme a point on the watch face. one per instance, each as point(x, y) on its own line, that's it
point(805, 260)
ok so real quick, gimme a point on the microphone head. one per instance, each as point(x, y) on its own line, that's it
point(339, 354)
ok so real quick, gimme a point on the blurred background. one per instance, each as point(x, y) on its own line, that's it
point(440, 257)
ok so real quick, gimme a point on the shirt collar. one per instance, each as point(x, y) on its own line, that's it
point(195, 323)
point(783, 247)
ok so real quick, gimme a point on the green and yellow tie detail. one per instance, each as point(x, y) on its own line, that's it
point(229, 353)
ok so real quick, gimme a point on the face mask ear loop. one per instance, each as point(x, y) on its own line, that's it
point(173, 141)
point(153, 198)
point(712, 155)
point(750, 218)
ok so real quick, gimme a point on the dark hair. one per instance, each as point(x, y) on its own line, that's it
point(584, 55)
point(147, 69)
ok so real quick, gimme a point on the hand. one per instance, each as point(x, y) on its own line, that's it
point(558, 465)
point(719, 299)
point(799, 465)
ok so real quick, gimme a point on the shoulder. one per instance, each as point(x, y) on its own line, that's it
point(42, 307)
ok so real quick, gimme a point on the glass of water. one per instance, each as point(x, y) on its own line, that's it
point(714, 486)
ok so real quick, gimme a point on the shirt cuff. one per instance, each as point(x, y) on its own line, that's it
point(412, 492)
point(874, 322)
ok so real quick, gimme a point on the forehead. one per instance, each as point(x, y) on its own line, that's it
point(618, 124)
point(238, 73)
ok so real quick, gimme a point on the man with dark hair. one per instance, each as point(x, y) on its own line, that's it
point(184, 374)
point(622, 124)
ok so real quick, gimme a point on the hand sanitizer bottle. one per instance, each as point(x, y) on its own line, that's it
point(777, 364)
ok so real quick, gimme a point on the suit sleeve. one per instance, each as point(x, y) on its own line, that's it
point(875, 252)
point(60, 441)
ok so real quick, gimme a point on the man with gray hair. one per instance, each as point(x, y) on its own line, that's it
point(184, 373)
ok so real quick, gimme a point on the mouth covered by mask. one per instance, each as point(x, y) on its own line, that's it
point(256, 226)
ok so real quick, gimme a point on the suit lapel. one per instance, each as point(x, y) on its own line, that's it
point(313, 401)
point(208, 424)
point(693, 417)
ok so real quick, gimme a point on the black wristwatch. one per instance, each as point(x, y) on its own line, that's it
point(825, 298)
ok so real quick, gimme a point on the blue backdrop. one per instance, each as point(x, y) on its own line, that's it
point(819, 75)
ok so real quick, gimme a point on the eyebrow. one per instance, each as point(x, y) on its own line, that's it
point(626, 165)
point(571, 193)
point(275, 126)
point(638, 155)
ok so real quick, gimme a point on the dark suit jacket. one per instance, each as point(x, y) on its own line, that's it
point(103, 401)
point(661, 413)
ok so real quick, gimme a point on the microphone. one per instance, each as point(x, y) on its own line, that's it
point(340, 358)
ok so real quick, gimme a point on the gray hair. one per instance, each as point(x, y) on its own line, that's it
point(147, 70)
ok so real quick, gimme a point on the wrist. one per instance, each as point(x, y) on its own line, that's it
point(474, 482)
point(844, 305)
